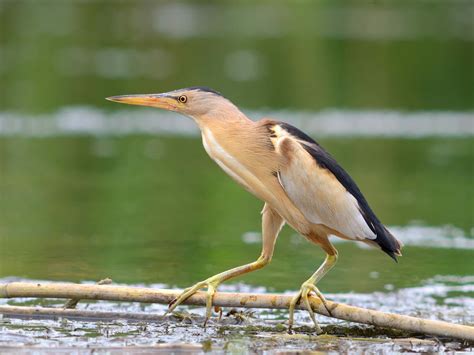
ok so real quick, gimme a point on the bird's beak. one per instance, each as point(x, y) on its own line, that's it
point(162, 101)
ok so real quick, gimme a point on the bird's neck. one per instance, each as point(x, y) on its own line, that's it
point(221, 117)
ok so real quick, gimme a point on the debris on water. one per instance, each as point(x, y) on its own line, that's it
point(184, 317)
point(241, 316)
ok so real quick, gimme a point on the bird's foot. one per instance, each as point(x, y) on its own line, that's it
point(211, 285)
point(305, 291)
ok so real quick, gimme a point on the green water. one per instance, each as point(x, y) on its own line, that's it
point(157, 209)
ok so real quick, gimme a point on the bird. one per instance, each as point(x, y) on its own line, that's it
point(299, 182)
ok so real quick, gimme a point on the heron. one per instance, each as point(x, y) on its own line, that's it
point(300, 183)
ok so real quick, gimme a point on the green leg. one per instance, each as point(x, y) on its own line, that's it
point(212, 282)
point(272, 223)
point(308, 286)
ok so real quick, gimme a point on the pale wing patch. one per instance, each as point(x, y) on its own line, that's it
point(317, 193)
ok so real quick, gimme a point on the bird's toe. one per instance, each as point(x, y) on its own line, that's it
point(303, 296)
point(211, 285)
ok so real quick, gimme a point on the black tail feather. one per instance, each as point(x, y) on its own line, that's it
point(387, 242)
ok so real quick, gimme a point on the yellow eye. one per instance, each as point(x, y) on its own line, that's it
point(182, 99)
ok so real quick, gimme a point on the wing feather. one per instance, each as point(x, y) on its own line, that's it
point(324, 192)
point(318, 194)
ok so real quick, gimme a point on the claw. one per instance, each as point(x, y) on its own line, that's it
point(303, 294)
point(321, 297)
point(181, 298)
point(211, 285)
point(311, 312)
point(293, 303)
point(211, 290)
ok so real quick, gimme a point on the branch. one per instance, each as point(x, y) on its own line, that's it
point(227, 299)
point(72, 303)
point(78, 314)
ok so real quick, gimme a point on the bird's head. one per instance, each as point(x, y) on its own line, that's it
point(195, 102)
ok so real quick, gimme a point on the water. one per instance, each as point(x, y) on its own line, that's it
point(90, 189)
point(326, 123)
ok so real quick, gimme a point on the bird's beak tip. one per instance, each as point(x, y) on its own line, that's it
point(113, 98)
point(127, 99)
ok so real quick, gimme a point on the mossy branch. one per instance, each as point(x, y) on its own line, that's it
point(227, 299)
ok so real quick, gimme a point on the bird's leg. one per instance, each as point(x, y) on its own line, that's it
point(272, 223)
point(212, 282)
point(310, 285)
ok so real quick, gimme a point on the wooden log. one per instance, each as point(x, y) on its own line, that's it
point(228, 299)
point(72, 303)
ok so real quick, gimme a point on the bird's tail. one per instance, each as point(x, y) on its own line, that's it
point(388, 243)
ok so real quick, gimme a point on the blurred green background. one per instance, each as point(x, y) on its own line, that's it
point(279, 54)
point(154, 208)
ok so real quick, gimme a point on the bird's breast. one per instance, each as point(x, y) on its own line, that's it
point(227, 162)
point(252, 167)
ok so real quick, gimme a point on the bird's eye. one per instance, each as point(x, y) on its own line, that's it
point(182, 99)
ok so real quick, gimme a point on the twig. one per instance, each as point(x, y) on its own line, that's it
point(227, 299)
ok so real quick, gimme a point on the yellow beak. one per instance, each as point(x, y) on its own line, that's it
point(154, 100)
